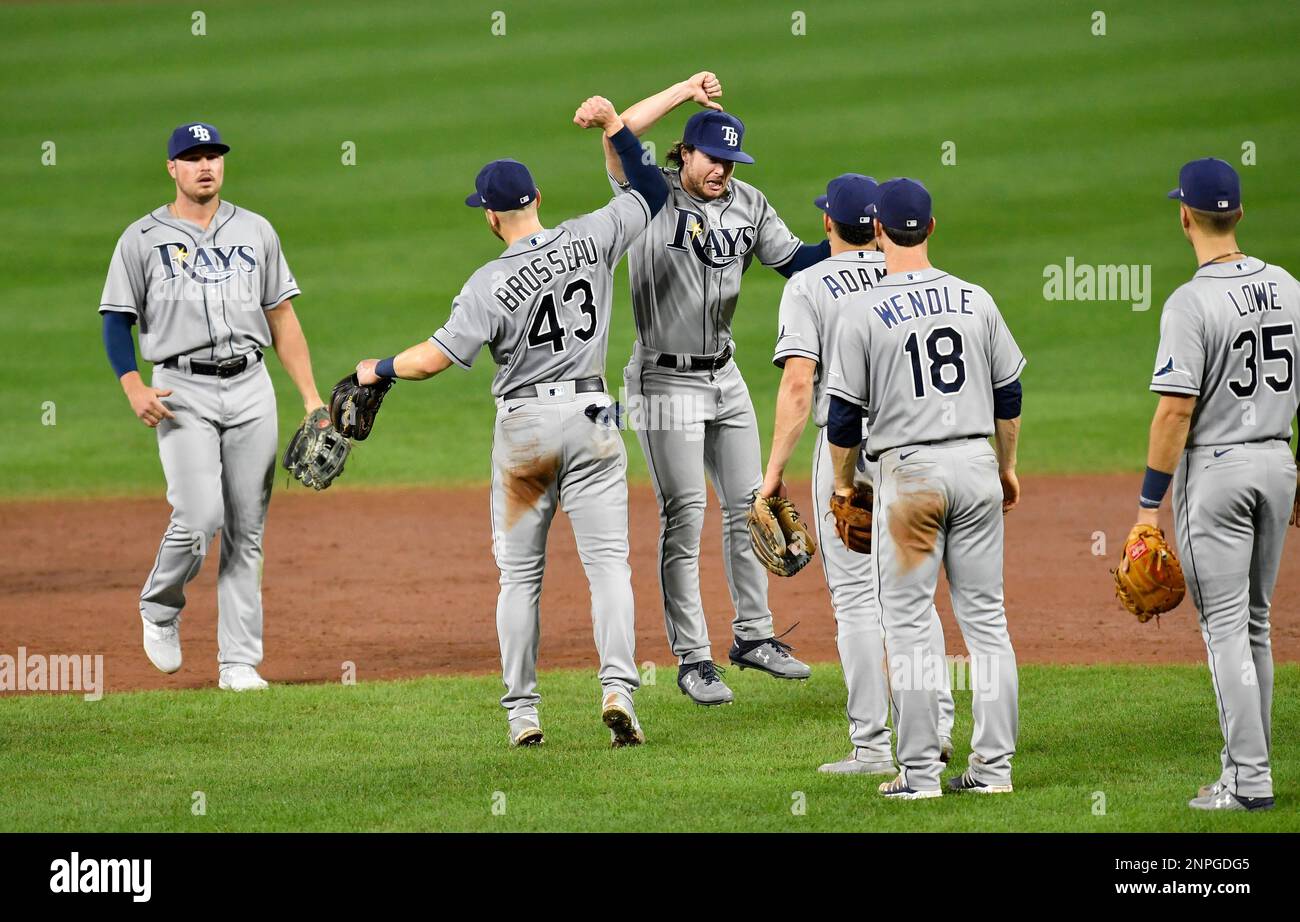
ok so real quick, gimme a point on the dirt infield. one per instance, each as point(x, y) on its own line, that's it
point(361, 577)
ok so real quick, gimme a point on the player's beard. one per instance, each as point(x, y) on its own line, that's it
point(202, 193)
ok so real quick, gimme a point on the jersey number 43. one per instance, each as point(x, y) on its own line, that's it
point(546, 329)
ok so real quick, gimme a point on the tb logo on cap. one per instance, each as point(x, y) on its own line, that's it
point(729, 135)
point(200, 133)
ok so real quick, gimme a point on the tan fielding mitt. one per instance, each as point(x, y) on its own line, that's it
point(853, 518)
point(1149, 579)
point(781, 541)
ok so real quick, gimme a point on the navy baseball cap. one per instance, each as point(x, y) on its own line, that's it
point(718, 134)
point(1208, 184)
point(902, 204)
point(502, 185)
point(848, 197)
point(192, 135)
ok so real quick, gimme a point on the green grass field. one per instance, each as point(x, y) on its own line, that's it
point(431, 754)
point(1065, 144)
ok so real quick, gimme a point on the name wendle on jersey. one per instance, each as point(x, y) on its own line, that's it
point(927, 302)
point(716, 248)
point(543, 268)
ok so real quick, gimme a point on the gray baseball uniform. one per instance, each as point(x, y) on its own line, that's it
point(202, 294)
point(923, 353)
point(810, 307)
point(1228, 338)
point(543, 309)
point(685, 273)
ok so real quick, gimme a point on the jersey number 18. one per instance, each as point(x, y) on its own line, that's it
point(947, 369)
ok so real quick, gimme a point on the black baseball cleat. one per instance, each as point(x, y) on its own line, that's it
point(768, 655)
point(700, 682)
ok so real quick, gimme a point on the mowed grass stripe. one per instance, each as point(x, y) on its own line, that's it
point(1066, 142)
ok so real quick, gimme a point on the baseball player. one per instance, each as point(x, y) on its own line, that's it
point(1226, 375)
point(543, 308)
point(209, 288)
point(690, 405)
point(810, 308)
point(929, 357)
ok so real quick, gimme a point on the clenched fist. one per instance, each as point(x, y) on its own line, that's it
point(598, 112)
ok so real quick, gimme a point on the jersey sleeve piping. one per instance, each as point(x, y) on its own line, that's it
point(1011, 377)
point(447, 351)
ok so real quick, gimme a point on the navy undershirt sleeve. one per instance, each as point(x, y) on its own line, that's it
point(643, 176)
point(844, 423)
point(118, 342)
point(1006, 401)
point(808, 254)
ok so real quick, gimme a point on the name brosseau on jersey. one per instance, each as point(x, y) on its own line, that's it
point(541, 270)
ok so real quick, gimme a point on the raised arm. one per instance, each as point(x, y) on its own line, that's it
point(640, 117)
point(641, 173)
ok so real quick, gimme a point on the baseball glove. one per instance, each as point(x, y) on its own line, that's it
point(853, 518)
point(353, 406)
point(316, 454)
point(1149, 579)
point(781, 541)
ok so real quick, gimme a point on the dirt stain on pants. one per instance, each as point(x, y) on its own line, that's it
point(914, 521)
point(525, 484)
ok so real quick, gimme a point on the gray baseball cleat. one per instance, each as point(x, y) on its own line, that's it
point(852, 765)
point(617, 713)
point(700, 682)
point(768, 655)
point(1217, 797)
point(162, 643)
point(1209, 790)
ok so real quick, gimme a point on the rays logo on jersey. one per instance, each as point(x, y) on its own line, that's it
point(715, 248)
point(206, 265)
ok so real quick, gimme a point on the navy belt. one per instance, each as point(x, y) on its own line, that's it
point(697, 362)
point(226, 368)
point(581, 386)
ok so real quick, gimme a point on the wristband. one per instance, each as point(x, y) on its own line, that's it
point(1154, 486)
point(385, 368)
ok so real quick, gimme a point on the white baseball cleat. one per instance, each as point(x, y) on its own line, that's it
point(241, 678)
point(162, 643)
